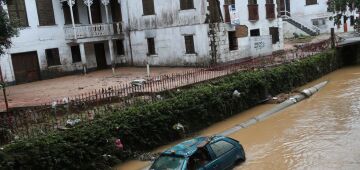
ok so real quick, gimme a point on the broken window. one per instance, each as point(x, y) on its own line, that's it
point(311, 2)
point(253, 9)
point(186, 4)
point(270, 9)
point(67, 13)
point(233, 43)
point(151, 46)
point(148, 7)
point(17, 12)
point(189, 44)
point(75, 53)
point(120, 47)
point(255, 32)
point(52, 57)
point(45, 12)
point(274, 32)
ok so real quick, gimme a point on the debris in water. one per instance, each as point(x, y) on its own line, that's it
point(148, 156)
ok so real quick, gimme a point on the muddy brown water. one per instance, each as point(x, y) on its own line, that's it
point(322, 132)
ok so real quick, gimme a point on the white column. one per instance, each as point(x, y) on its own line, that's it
point(71, 3)
point(106, 3)
point(111, 48)
point(88, 3)
point(83, 56)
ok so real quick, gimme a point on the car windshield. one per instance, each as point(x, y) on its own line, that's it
point(166, 162)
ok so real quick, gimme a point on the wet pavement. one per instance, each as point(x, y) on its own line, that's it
point(321, 132)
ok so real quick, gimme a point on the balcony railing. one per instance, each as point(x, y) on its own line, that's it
point(92, 31)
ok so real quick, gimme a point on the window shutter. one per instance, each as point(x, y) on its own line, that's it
point(45, 12)
point(148, 7)
point(17, 12)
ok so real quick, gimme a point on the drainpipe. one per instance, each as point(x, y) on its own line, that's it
point(291, 101)
point(129, 35)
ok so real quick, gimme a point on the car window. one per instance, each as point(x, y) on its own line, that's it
point(199, 159)
point(221, 147)
point(167, 162)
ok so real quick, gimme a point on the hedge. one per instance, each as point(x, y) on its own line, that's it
point(142, 128)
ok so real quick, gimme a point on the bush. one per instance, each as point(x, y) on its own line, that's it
point(142, 128)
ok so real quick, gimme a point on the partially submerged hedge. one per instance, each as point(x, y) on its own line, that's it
point(142, 128)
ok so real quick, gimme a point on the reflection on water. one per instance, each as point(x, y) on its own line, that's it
point(322, 132)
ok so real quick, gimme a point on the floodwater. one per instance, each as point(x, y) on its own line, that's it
point(322, 132)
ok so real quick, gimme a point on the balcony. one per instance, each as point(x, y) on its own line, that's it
point(95, 31)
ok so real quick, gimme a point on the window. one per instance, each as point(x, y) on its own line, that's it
point(45, 12)
point(319, 22)
point(274, 32)
point(255, 32)
point(67, 13)
point(252, 2)
point(151, 46)
point(270, 9)
point(226, 10)
point(311, 2)
point(186, 4)
point(52, 57)
point(233, 43)
point(115, 11)
point(189, 44)
point(17, 12)
point(221, 147)
point(120, 47)
point(352, 20)
point(75, 53)
point(148, 7)
point(253, 9)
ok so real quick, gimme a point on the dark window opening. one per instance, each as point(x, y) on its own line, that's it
point(67, 13)
point(233, 43)
point(45, 12)
point(186, 4)
point(151, 46)
point(116, 11)
point(274, 32)
point(52, 57)
point(255, 32)
point(120, 47)
point(269, 1)
point(311, 2)
point(75, 53)
point(189, 44)
point(17, 12)
point(148, 7)
point(352, 20)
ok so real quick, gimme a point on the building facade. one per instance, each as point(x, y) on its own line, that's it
point(314, 16)
point(59, 37)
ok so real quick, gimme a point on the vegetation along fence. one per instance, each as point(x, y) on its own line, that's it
point(67, 112)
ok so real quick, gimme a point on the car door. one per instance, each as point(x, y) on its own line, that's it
point(223, 153)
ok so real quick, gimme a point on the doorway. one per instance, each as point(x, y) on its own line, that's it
point(100, 55)
point(285, 7)
point(96, 12)
point(26, 67)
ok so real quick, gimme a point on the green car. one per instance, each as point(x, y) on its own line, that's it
point(203, 153)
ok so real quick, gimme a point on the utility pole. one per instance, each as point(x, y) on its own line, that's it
point(3, 86)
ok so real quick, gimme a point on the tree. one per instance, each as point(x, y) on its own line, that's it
point(7, 29)
point(339, 7)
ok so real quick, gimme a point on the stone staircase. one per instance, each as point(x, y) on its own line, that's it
point(311, 30)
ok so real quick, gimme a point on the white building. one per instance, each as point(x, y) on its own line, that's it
point(59, 37)
point(311, 16)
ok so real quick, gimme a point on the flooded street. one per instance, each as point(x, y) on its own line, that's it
point(322, 132)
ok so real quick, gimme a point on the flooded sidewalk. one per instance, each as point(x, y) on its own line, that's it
point(321, 132)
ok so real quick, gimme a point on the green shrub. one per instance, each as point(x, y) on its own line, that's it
point(144, 127)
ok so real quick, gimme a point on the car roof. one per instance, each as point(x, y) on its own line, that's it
point(189, 147)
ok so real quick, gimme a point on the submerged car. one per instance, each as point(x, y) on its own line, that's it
point(203, 153)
